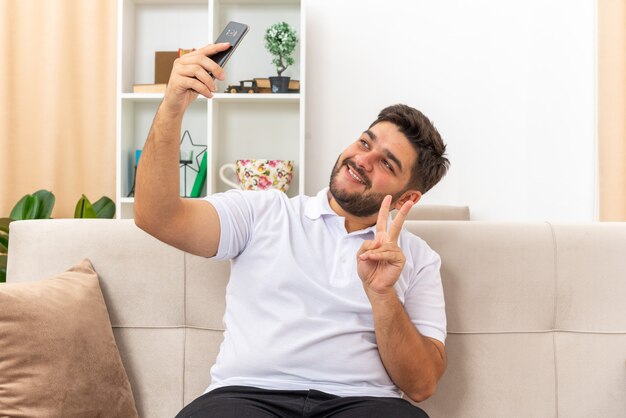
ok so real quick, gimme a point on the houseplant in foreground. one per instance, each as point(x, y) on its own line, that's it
point(280, 41)
point(39, 206)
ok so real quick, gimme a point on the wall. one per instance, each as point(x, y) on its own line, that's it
point(510, 86)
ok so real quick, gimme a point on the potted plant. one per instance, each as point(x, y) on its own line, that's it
point(280, 41)
point(39, 206)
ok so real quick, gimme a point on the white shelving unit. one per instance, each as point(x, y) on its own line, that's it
point(231, 126)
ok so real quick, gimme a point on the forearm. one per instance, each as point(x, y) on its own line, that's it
point(159, 209)
point(157, 186)
point(413, 361)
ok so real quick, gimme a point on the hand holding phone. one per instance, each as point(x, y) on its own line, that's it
point(192, 73)
point(233, 33)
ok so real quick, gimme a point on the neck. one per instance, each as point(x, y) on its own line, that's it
point(353, 223)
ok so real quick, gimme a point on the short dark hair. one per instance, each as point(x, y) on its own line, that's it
point(431, 164)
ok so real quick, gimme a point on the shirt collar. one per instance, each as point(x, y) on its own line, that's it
point(320, 205)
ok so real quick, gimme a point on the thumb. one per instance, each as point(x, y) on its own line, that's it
point(366, 246)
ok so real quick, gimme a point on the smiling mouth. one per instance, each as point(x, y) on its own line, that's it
point(356, 175)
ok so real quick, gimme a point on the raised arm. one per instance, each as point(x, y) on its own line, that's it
point(414, 362)
point(190, 225)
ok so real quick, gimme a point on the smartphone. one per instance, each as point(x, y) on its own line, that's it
point(232, 33)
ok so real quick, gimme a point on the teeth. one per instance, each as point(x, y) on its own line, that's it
point(353, 174)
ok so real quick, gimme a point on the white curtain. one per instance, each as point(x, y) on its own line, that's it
point(612, 109)
point(57, 100)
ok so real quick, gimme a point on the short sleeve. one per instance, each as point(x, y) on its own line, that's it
point(424, 298)
point(236, 215)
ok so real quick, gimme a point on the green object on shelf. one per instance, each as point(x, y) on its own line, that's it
point(200, 178)
point(280, 41)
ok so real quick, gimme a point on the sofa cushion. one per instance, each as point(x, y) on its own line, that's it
point(58, 356)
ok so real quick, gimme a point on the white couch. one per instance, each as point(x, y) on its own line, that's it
point(536, 312)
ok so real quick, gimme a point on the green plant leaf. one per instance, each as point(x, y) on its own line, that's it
point(23, 209)
point(4, 243)
point(4, 224)
point(18, 209)
point(47, 200)
point(104, 208)
point(84, 209)
point(34, 209)
point(3, 268)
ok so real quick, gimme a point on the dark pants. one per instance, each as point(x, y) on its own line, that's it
point(250, 402)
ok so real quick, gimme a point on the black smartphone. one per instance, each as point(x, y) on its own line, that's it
point(232, 33)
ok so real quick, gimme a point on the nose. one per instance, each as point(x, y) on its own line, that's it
point(364, 160)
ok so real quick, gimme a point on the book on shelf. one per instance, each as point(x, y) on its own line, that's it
point(149, 88)
point(163, 63)
point(196, 190)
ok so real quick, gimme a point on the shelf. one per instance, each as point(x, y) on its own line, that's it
point(150, 97)
point(221, 97)
point(254, 97)
point(143, 97)
point(230, 125)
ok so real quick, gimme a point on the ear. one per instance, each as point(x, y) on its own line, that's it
point(412, 195)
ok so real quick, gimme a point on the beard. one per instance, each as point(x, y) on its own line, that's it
point(361, 204)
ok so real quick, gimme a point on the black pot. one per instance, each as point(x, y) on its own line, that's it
point(280, 84)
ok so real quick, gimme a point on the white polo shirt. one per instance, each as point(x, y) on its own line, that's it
point(297, 317)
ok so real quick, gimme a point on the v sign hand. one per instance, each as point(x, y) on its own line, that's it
point(414, 362)
point(380, 261)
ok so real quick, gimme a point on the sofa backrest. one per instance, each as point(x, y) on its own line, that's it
point(427, 212)
point(536, 319)
point(536, 312)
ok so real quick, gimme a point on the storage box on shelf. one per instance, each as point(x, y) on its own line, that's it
point(231, 126)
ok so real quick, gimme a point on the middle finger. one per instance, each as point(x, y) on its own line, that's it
point(396, 225)
point(383, 215)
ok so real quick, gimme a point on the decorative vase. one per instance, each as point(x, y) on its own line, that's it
point(280, 84)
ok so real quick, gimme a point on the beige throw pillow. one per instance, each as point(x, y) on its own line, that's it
point(58, 356)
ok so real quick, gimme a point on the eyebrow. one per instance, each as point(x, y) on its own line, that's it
point(387, 153)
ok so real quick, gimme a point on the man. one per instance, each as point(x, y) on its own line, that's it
point(329, 311)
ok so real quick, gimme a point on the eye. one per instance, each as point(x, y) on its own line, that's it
point(387, 165)
point(364, 143)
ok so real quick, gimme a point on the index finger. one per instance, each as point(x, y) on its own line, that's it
point(396, 225)
point(208, 52)
point(212, 49)
point(383, 215)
